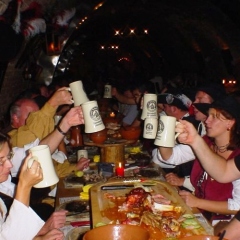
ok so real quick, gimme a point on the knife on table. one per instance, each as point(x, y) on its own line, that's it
point(117, 187)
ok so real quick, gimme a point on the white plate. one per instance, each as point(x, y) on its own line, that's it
point(73, 217)
point(75, 233)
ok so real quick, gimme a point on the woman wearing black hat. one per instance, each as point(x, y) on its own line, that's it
point(222, 126)
point(222, 138)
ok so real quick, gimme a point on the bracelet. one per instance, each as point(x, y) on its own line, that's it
point(60, 130)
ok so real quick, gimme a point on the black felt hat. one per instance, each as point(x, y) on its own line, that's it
point(214, 90)
point(202, 107)
point(227, 103)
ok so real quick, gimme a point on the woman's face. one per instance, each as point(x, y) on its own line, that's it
point(5, 163)
point(217, 124)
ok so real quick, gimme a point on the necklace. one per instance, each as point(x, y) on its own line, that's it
point(220, 149)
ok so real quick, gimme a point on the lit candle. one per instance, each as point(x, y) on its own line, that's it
point(120, 170)
point(112, 114)
point(51, 47)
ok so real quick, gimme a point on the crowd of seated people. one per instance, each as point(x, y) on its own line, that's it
point(19, 215)
point(215, 118)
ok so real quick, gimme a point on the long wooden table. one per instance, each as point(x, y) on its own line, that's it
point(63, 192)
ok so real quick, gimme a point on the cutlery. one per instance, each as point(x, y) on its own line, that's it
point(80, 223)
point(76, 213)
point(117, 187)
point(222, 235)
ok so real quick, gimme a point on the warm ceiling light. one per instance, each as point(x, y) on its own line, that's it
point(116, 47)
point(230, 81)
point(98, 6)
point(112, 46)
point(83, 20)
point(116, 32)
point(131, 31)
point(145, 31)
point(234, 82)
point(223, 81)
point(102, 47)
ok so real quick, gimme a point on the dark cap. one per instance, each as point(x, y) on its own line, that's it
point(214, 90)
point(202, 107)
point(227, 103)
point(178, 99)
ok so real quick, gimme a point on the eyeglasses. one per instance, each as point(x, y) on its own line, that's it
point(8, 157)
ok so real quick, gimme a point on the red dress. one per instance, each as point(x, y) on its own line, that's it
point(205, 186)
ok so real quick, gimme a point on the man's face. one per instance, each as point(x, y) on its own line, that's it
point(25, 110)
point(137, 95)
point(128, 94)
point(44, 91)
point(201, 97)
point(168, 110)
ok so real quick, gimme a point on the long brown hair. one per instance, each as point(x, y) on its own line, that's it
point(4, 138)
point(234, 141)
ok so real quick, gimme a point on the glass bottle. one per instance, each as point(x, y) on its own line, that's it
point(76, 138)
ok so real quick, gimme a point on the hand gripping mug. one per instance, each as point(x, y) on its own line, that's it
point(166, 132)
point(92, 118)
point(42, 154)
point(82, 153)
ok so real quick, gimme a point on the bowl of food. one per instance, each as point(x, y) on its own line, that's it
point(99, 137)
point(130, 133)
point(117, 232)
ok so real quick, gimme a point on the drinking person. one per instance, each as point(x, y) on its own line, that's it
point(21, 222)
point(72, 118)
point(214, 162)
point(205, 94)
point(21, 216)
point(175, 104)
point(222, 137)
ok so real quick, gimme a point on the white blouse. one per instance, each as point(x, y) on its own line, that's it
point(22, 222)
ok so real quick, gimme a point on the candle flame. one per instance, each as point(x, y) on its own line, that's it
point(112, 114)
point(120, 164)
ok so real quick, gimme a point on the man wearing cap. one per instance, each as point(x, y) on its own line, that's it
point(175, 104)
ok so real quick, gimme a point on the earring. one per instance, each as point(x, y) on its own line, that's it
point(228, 129)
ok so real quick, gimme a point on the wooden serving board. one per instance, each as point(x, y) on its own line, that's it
point(99, 201)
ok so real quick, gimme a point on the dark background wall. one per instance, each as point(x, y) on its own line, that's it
point(194, 39)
